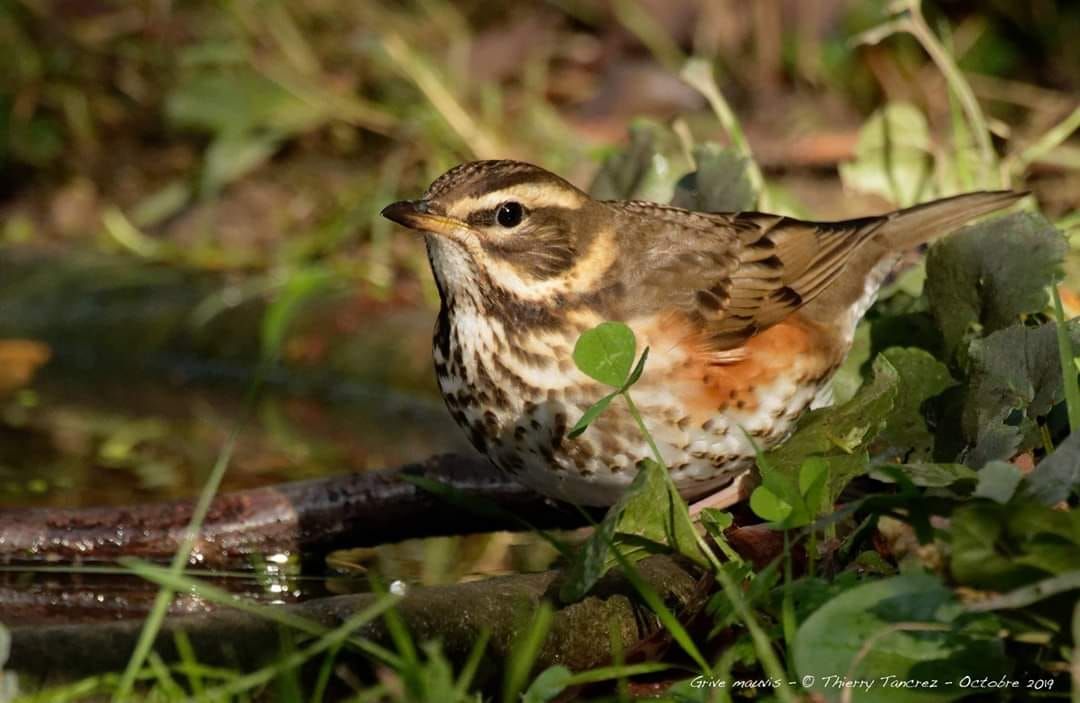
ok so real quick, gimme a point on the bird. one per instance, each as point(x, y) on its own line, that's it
point(746, 316)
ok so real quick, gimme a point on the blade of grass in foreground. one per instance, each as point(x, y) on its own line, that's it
point(524, 651)
point(333, 638)
point(153, 622)
point(214, 594)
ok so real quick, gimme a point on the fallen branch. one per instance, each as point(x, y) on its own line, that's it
point(306, 517)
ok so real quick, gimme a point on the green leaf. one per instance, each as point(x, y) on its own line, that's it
point(638, 370)
point(998, 481)
point(813, 480)
point(716, 521)
point(238, 101)
point(590, 415)
point(720, 183)
point(649, 518)
point(593, 559)
point(647, 169)
point(921, 378)
point(233, 155)
point(769, 506)
point(1014, 369)
point(658, 514)
point(986, 277)
point(606, 352)
point(908, 627)
point(838, 435)
point(929, 475)
point(892, 156)
point(547, 685)
point(999, 547)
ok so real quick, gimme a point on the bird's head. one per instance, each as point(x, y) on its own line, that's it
point(509, 225)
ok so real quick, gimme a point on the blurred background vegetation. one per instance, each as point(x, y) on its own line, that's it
point(190, 189)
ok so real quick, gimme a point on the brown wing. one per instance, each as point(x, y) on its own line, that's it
point(737, 274)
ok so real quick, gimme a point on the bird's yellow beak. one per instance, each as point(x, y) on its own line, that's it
point(415, 214)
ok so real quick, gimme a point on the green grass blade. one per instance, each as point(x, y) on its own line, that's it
point(524, 651)
point(153, 622)
point(656, 604)
point(335, 637)
point(472, 663)
point(180, 582)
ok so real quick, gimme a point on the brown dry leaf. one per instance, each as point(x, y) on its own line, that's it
point(19, 359)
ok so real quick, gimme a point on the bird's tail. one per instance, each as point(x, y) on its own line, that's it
point(856, 288)
point(907, 228)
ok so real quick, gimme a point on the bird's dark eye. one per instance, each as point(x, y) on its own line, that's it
point(510, 214)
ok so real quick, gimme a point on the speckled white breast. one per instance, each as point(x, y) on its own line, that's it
point(516, 396)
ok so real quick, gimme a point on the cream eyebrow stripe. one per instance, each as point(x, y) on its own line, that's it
point(530, 195)
point(585, 274)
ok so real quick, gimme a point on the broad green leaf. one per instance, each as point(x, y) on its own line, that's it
point(1015, 369)
point(838, 435)
point(647, 169)
point(789, 504)
point(720, 183)
point(922, 377)
point(892, 156)
point(813, 481)
point(590, 415)
point(769, 506)
point(606, 353)
point(986, 277)
point(658, 514)
point(998, 481)
point(649, 518)
point(908, 627)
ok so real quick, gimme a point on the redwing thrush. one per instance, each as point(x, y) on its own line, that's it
point(746, 315)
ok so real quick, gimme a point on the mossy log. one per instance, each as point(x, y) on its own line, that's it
point(581, 635)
